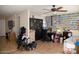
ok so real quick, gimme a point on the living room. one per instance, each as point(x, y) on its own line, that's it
point(41, 22)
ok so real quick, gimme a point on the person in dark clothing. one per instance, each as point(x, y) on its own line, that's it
point(65, 35)
point(21, 37)
point(19, 41)
point(7, 36)
point(22, 40)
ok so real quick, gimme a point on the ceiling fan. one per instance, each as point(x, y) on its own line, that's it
point(54, 9)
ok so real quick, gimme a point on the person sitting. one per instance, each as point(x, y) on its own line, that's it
point(21, 37)
point(22, 40)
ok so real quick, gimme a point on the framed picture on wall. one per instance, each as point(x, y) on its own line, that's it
point(11, 24)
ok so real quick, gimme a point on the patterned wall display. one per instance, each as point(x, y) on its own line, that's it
point(11, 24)
point(48, 21)
point(70, 21)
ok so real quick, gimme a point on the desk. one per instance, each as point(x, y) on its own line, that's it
point(12, 36)
point(54, 36)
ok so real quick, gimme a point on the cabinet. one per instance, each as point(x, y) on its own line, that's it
point(36, 24)
point(12, 36)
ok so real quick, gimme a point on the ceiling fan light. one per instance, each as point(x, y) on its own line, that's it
point(53, 5)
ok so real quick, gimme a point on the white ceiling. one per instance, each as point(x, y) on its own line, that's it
point(11, 9)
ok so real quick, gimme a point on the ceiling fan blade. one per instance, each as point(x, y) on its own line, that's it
point(53, 5)
point(47, 12)
point(61, 10)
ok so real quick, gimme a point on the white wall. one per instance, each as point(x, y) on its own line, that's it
point(2, 26)
point(36, 15)
point(22, 21)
